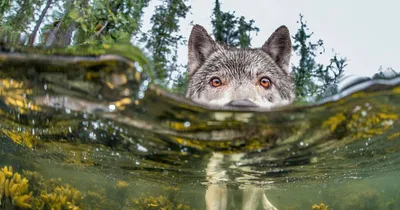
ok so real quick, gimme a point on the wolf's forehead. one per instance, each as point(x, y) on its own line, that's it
point(241, 62)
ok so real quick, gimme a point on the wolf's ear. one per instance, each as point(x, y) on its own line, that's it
point(279, 47)
point(201, 45)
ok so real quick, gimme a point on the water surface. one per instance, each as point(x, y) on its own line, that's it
point(99, 125)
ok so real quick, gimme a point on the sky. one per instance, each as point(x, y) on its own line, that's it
point(366, 32)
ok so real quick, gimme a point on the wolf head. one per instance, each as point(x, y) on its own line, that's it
point(226, 76)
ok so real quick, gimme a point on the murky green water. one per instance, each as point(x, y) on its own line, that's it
point(95, 125)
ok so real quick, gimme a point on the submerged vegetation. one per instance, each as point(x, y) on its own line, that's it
point(369, 120)
point(31, 191)
point(28, 191)
point(160, 202)
point(14, 189)
point(320, 207)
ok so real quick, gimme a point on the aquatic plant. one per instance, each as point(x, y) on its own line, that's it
point(363, 121)
point(14, 188)
point(36, 181)
point(98, 199)
point(122, 191)
point(16, 193)
point(94, 199)
point(367, 199)
point(62, 198)
point(22, 138)
point(160, 202)
point(319, 207)
point(122, 185)
point(391, 204)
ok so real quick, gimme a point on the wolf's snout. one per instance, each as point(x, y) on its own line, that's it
point(242, 103)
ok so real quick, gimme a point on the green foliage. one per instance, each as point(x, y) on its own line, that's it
point(244, 30)
point(163, 38)
point(180, 84)
point(17, 15)
point(75, 26)
point(62, 23)
point(4, 7)
point(232, 30)
point(98, 21)
point(314, 80)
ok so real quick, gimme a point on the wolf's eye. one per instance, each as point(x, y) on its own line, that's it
point(265, 82)
point(215, 82)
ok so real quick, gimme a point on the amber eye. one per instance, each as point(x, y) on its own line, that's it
point(265, 82)
point(215, 82)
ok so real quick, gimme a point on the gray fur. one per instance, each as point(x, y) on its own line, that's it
point(240, 70)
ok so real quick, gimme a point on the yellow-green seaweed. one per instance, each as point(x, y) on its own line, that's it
point(16, 193)
point(160, 202)
point(62, 198)
point(319, 207)
point(14, 188)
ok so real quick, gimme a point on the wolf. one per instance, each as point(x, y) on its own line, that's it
point(226, 76)
point(221, 75)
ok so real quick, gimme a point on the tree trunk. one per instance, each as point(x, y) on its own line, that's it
point(66, 38)
point(37, 26)
point(52, 35)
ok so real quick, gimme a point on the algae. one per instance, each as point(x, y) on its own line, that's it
point(29, 191)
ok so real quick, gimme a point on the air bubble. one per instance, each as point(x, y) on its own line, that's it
point(111, 107)
point(186, 124)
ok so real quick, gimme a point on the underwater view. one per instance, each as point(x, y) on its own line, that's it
point(86, 132)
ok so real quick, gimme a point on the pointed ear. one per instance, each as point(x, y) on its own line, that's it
point(201, 45)
point(279, 47)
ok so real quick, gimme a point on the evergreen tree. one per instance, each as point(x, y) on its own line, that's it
point(180, 84)
point(314, 80)
point(231, 30)
point(163, 39)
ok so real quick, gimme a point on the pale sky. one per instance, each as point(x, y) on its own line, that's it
point(366, 32)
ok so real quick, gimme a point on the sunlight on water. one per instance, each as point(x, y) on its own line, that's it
point(94, 133)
